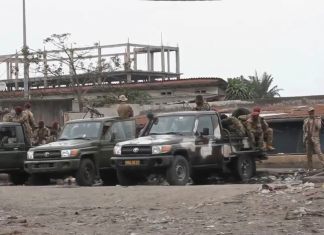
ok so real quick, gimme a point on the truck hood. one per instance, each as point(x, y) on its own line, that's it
point(155, 140)
point(66, 144)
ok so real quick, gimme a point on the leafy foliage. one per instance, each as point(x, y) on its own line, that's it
point(254, 87)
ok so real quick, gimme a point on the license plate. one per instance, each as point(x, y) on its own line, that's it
point(132, 162)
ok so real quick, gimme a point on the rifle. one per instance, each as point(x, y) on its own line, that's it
point(93, 112)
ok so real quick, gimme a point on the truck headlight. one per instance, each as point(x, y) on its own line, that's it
point(157, 149)
point(117, 150)
point(30, 155)
point(70, 152)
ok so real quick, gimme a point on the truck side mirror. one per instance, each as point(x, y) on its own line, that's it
point(205, 131)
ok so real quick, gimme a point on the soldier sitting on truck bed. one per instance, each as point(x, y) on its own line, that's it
point(233, 125)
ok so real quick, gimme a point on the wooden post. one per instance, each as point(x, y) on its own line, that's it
point(99, 65)
point(16, 71)
point(45, 68)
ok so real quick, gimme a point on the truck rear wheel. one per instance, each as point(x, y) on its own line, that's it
point(178, 172)
point(126, 178)
point(245, 167)
point(18, 178)
point(85, 175)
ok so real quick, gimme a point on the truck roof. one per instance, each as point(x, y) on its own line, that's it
point(195, 113)
point(101, 119)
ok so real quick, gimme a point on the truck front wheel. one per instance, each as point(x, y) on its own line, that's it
point(245, 167)
point(85, 175)
point(178, 172)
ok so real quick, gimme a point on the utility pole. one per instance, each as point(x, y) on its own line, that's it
point(25, 50)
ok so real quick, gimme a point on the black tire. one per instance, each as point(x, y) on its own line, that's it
point(240, 111)
point(178, 172)
point(18, 178)
point(199, 178)
point(245, 167)
point(86, 173)
point(126, 178)
point(39, 179)
point(109, 178)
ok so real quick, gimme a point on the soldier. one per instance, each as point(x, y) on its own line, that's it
point(233, 125)
point(41, 134)
point(267, 131)
point(22, 118)
point(254, 129)
point(30, 116)
point(311, 128)
point(124, 110)
point(201, 105)
point(7, 116)
point(55, 132)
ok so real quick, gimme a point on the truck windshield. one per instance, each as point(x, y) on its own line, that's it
point(81, 130)
point(173, 125)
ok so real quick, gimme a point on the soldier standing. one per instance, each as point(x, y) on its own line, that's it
point(124, 110)
point(201, 105)
point(311, 129)
point(30, 116)
point(254, 129)
point(21, 117)
point(41, 134)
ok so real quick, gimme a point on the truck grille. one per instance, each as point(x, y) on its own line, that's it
point(47, 154)
point(135, 150)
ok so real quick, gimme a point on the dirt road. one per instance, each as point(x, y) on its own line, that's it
point(210, 209)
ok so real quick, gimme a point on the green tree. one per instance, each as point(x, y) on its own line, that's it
point(238, 89)
point(261, 87)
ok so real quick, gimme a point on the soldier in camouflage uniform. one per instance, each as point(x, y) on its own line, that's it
point(201, 105)
point(255, 131)
point(124, 110)
point(30, 116)
point(21, 117)
point(311, 129)
point(54, 132)
point(267, 131)
point(41, 134)
point(7, 116)
point(233, 125)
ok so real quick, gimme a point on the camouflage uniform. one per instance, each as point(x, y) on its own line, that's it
point(268, 134)
point(31, 119)
point(125, 111)
point(41, 135)
point(311, 138)
point(204, 107)
point(7, 117)
point(255, 132)
point(234, 125)
point(23, 119)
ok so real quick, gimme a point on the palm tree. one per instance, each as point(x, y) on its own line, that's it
point(238, 89)
point(261, 87)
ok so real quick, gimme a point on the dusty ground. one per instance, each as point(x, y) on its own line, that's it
point(209, 209)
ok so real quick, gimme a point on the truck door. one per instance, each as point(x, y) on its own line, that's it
point(207, 150)
point(116, 132)
point(12, 147)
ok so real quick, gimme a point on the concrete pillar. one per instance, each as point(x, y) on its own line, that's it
point(152, 61)
point(129, 78)
point(168, 60)
point(45, 68)
point(135, 60)
point(162, 60)
point(178, 62)
point(70, 65)
point(16, 71)
point(128, 59)
point(8, 70)
point(99, 65)
point(148, 60)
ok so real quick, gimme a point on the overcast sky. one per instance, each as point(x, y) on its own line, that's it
point(225, 38)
